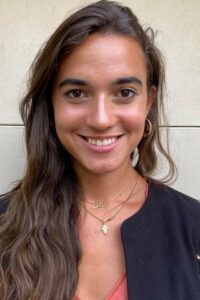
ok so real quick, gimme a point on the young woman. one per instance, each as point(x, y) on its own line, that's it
point(85, 222)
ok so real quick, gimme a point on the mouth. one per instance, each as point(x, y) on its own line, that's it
point(101, 141)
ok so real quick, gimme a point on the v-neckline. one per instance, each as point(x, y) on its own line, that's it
point(113, 289)
point(116, 286)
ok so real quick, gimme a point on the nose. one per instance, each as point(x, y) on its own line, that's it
point(101, 115)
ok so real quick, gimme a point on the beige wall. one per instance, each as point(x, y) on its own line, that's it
point(26, 24)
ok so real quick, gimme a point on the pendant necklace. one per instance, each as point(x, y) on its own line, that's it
point(104, 222)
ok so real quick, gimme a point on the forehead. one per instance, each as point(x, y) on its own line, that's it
point(104, 57)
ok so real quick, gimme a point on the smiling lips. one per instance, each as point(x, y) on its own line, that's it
point(101, 141)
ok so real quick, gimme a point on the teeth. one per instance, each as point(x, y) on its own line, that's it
point(100, 143)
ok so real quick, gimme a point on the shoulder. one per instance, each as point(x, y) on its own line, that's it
point(174, 204)
point(169, 196)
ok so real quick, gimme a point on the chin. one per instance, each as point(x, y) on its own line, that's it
point(104, 167)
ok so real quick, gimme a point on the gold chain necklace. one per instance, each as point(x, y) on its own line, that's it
point(104, 226)
point(100, 205)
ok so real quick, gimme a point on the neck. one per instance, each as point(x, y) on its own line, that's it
point(109, 187)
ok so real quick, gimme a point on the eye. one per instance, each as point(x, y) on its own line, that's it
point(75, 93)
point(126, 93)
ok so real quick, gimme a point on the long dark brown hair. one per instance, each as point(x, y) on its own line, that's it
point(39, 245)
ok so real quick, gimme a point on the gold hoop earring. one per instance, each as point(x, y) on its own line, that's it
point(148, 128)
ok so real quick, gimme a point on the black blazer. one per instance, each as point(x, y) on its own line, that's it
point(162, 247)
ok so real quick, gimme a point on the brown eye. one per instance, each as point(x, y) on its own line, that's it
point(75, 93)
point(126, 93)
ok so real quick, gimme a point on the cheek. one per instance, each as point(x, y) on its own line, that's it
point(67, 119)
point(134, 120)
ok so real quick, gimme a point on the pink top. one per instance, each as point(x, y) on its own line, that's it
point(118, 292)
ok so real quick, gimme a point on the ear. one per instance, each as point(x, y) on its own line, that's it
point(152, 94)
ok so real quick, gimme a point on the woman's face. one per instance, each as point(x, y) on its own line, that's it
point(100, 102)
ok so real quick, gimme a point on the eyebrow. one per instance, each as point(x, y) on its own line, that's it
point(131, 79)
point(81, 82)
point(72, 81)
